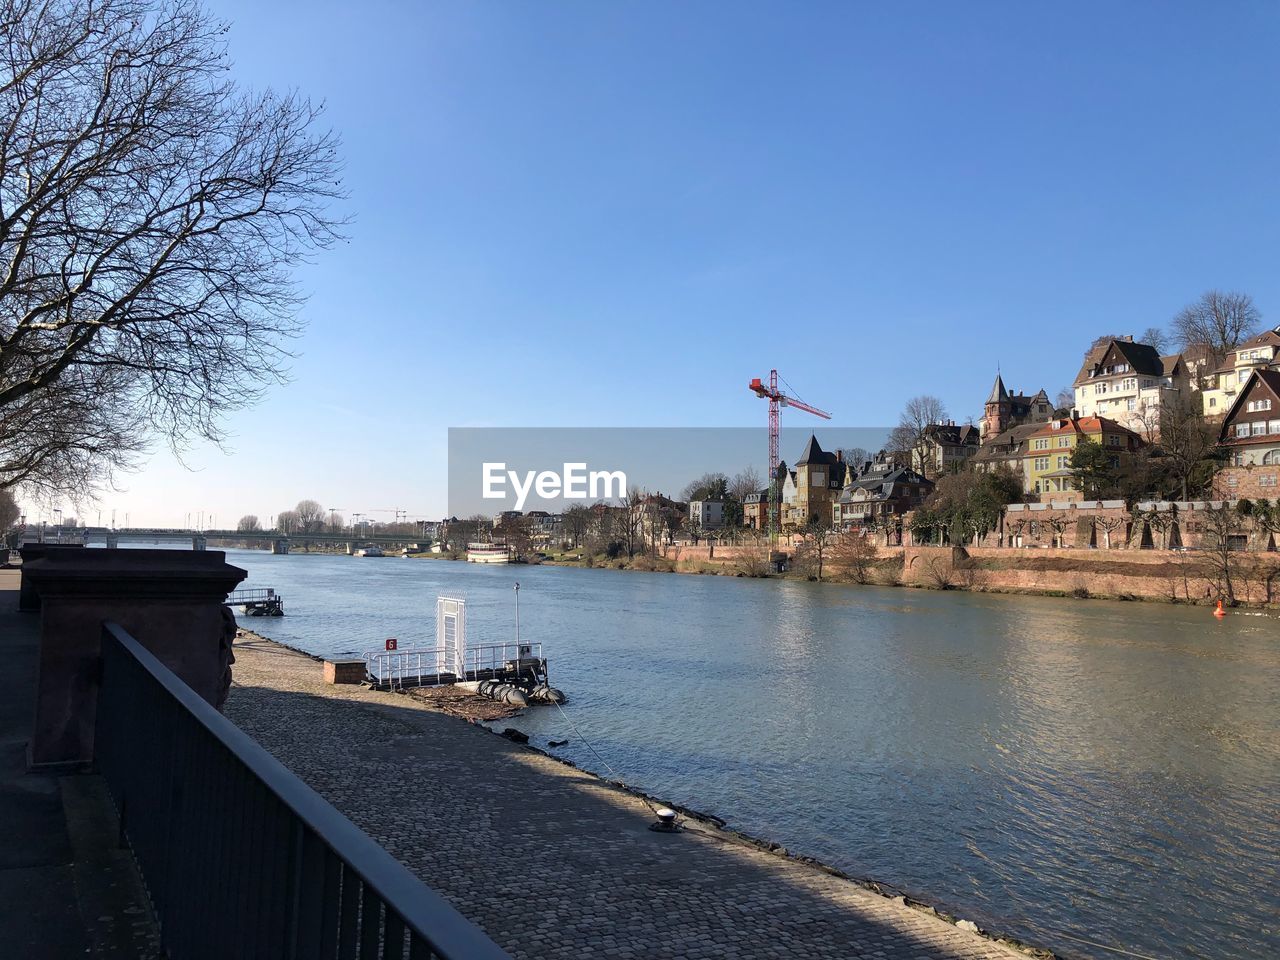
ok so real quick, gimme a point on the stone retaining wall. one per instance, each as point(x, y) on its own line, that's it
point(1169, 575)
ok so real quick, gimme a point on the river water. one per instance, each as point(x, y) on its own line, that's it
point(1059, 770)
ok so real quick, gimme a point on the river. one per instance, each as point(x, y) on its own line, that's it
point(1058, 770)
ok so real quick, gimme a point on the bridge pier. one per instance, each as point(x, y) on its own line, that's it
point(280, 547)
point(113, 542)
point(351, 549)
point(199, 543)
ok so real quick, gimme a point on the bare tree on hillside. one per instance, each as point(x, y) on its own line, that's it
point(1155, 337)
point(909, 436)
point(153, 213)
point(1189, 446)
point(1219, 321)
point(856, 456)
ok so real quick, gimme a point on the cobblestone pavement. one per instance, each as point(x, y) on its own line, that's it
point(548, 860)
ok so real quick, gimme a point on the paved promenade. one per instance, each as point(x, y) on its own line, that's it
point(550, 861)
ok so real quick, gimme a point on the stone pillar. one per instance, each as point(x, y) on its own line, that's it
point(280, 547)
point(28, 599)
point(170, 601)
point(112, 542)
point(351, 549)
point(199, 543)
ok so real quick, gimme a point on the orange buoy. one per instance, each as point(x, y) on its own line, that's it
point(1219, 612)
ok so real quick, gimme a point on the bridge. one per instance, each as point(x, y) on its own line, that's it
point(280, 540)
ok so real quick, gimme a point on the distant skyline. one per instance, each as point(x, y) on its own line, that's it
point(585, 214)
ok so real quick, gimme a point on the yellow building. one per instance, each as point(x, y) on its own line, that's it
point(1047, 460)
point(809, 494)
point(1221, 384)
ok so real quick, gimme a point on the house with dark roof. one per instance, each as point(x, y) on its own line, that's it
point(1130, 383)
point(879, 499)
point(1251, 435)
point(943, 447)
point(1251, 427)
point(1004, 410)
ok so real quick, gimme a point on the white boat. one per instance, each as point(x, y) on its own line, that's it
point(369, 552)
point(488, 553)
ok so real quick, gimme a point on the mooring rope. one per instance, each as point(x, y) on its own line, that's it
point(1103, 946)
point(613, 772)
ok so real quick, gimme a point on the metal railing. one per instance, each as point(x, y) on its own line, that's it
point(499, 656)
point(251, 595)
point(414, 666)
point(239, 856)
point(411, 665)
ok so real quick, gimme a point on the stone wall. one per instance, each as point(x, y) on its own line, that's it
point(1111, 525)
point(1169, 575)
point(1252, 483)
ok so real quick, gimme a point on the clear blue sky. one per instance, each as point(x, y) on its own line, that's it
point(591, 213)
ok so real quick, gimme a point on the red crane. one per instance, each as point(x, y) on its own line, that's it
point(777, 400)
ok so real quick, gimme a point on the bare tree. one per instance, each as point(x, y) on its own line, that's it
point(1108, 524)
point(151, 215)
point(744, 483)
point(310, 516)
point(1189, 446)
point(576, 521)
point(911, 432)
point(1066, 399)
point(709, 486)
point(855, 456)
point(754, 558)
point(1155, 337)
point(630, 521)
point(248, 524)
point(51, 440)
point(1219, 549)
point(287, 521)
point(9, 513)
point(811, 554)
point(854, 554)
point(1219, 321)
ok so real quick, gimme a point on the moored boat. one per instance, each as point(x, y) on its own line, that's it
point(488, 553)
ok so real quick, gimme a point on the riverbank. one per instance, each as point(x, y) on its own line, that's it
point(1163, 576)
point(552, 861)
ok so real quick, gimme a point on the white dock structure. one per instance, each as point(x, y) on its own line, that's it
point(453, 660)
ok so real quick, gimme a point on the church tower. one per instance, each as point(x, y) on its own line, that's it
point(998, 411)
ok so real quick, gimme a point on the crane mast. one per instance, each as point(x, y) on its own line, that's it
point(777, 400)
